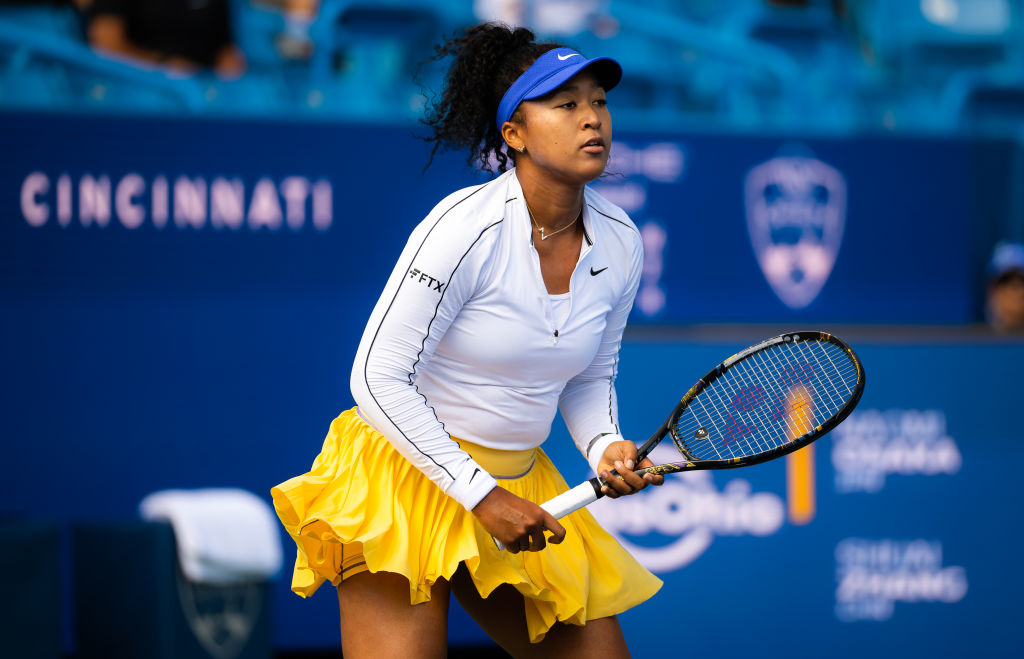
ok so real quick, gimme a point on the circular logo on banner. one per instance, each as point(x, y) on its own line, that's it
point(669, 527)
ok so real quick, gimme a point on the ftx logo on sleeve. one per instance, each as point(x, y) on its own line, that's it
point(433, 284)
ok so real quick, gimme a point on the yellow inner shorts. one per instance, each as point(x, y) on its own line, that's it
point(352, 560)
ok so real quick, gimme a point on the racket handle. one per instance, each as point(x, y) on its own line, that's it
point(578, 497)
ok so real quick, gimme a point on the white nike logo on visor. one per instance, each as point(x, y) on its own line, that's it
point(565, 57)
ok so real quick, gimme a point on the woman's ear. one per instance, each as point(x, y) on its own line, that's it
point(512, 135)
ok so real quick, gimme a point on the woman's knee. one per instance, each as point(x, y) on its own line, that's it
point(601, 637)
point(378, 621)
point(502, 615)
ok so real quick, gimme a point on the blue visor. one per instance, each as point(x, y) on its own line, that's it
point(550, 72)
point(1005, 258)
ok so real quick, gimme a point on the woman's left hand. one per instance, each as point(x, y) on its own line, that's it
point(621, 456)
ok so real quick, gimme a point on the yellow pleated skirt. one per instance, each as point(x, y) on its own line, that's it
point(361, 490)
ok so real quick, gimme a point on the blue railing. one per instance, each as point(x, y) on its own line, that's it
point(948, 65)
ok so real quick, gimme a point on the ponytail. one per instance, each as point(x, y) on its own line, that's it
point(488, 59)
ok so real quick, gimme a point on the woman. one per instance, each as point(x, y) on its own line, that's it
point(507, 304)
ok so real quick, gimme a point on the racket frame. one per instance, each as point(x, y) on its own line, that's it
point(794, 444)
point(581, 492)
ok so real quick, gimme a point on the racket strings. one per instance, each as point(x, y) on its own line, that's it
point(766, 400)
point(804, 376)
point(841, 377)
point(794, 371)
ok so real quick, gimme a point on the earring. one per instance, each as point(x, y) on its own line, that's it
point(522, 149)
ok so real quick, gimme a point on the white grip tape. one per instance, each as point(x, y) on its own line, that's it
point(567, 502)
point(571, 501)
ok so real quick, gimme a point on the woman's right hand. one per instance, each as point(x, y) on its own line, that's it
point(517, 523)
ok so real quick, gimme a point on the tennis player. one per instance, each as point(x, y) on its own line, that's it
point(507, 305)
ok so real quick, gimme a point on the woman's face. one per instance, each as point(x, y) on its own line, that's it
point(568, 132)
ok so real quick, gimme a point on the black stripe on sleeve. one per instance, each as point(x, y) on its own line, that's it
point(423, 344)
point(611, 390)
point(429, 324)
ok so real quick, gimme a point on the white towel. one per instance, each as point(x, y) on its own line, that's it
point(224, 535)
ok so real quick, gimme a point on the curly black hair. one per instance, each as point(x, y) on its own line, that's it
point(488, 59)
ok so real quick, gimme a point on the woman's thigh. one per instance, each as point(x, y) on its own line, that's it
point(377, 620)
point(503, 616)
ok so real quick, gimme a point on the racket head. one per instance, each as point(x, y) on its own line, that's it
point(768, 400)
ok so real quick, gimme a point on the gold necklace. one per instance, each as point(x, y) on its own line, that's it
point(543, 235)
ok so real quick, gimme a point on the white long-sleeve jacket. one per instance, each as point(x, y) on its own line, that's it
point(464, 342)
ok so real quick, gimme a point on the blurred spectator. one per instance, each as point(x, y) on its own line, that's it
point(838, 6)
point(294, 42)
point(1005, 292)
point(552, 17)
point(183, 35)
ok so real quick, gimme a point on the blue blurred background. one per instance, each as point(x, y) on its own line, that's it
point(189, 251)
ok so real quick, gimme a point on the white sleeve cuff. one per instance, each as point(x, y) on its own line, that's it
point(471, 493)
point(597, 449)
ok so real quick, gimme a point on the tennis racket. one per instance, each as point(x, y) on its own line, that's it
point(760, 404)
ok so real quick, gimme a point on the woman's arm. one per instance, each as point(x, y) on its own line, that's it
point(589, 403)
point(435, 275)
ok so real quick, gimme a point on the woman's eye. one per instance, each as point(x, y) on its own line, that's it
point(601, 102)
point(570, 105)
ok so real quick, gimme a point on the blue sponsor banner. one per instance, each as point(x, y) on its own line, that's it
point(132, 204)
point(182, 301)
point(899, 531)
point(736, 229)
point(866, 230)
